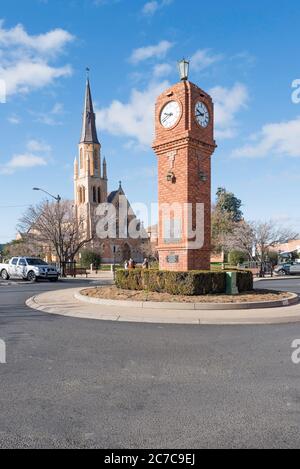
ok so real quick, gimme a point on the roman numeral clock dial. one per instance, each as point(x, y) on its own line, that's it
point(202, 114)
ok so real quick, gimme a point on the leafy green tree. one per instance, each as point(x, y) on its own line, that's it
point(222, 225)
point(227, 202)
point(226, 215)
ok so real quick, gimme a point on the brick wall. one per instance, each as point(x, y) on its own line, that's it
point(184, 151)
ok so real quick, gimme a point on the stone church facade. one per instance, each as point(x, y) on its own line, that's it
point(91, 190)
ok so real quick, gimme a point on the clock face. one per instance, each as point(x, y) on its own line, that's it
point(202, 114)
point(170, 114)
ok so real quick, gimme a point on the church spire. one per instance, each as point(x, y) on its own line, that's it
point(89, 132)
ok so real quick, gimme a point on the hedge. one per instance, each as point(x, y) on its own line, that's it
point(180, 283)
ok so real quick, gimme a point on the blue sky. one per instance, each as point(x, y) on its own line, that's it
point(244, 53)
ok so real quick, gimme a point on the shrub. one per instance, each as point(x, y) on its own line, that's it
point(180, 283)
point(244, 280)
point(90, 257)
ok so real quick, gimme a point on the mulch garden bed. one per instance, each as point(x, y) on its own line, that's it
point(114, 293)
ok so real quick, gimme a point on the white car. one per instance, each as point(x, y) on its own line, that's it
point(288, 268)
point(29, 268)
point(295, 268)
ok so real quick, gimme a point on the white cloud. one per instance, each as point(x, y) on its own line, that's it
point(29, 158)
point(14, 119)
point(282, 139)
point(228, 102)
point(26, 60)
point(204, 58)
point(23, 77)
point(162, 69)
point(155, 51)
point(135, 118)
point(38, 146)
point(51, 42)
point(26, 160)
point(151, 7)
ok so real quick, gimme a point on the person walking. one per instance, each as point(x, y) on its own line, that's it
point(145, 264)
point(131, 264)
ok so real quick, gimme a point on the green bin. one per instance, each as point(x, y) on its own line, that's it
point(231, 283)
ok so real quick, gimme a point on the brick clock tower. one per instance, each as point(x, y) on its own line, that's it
point(184, 142)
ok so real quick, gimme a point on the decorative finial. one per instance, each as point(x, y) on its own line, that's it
point(87, 72)
point(120, 184)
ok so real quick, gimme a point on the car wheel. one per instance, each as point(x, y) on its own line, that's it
point(31, 277)
point(4, 275)
point(282, 272)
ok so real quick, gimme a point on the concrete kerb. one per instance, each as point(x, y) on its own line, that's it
point(294, 299)
point(285, 277)
point(64, 303)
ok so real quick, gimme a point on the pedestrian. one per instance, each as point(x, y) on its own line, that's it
point(126, 265)
point(145, 264)
point(131, 264)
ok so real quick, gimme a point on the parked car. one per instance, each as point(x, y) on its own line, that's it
point(29, 268)
point(288, 268)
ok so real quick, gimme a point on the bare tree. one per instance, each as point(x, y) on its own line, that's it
point(268, 234)
point(55, 225)
point(241, 238)
point(262, 236)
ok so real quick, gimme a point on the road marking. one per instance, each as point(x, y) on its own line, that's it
point(8, 284)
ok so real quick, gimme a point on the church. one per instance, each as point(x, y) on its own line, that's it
point(91, 190)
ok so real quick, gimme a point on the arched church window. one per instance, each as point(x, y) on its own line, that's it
point(96, 160)
point(99, 195)
point(94, 194)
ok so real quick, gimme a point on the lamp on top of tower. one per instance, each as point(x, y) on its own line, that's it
point(183, 68)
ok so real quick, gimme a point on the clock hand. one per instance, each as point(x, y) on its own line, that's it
point(167, 116)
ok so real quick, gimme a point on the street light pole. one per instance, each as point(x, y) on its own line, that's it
point(57, 198)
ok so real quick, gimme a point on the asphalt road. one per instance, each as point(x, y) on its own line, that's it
point(84, 383)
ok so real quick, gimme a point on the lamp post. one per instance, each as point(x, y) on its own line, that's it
point(183, 68)
point(58, 200)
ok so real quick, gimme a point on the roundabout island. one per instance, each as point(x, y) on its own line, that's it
point(100, 303)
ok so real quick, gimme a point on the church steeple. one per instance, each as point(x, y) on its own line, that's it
point(89, 132)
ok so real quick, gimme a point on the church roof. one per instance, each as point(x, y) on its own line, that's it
point(113, 194)
point(89, 132)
